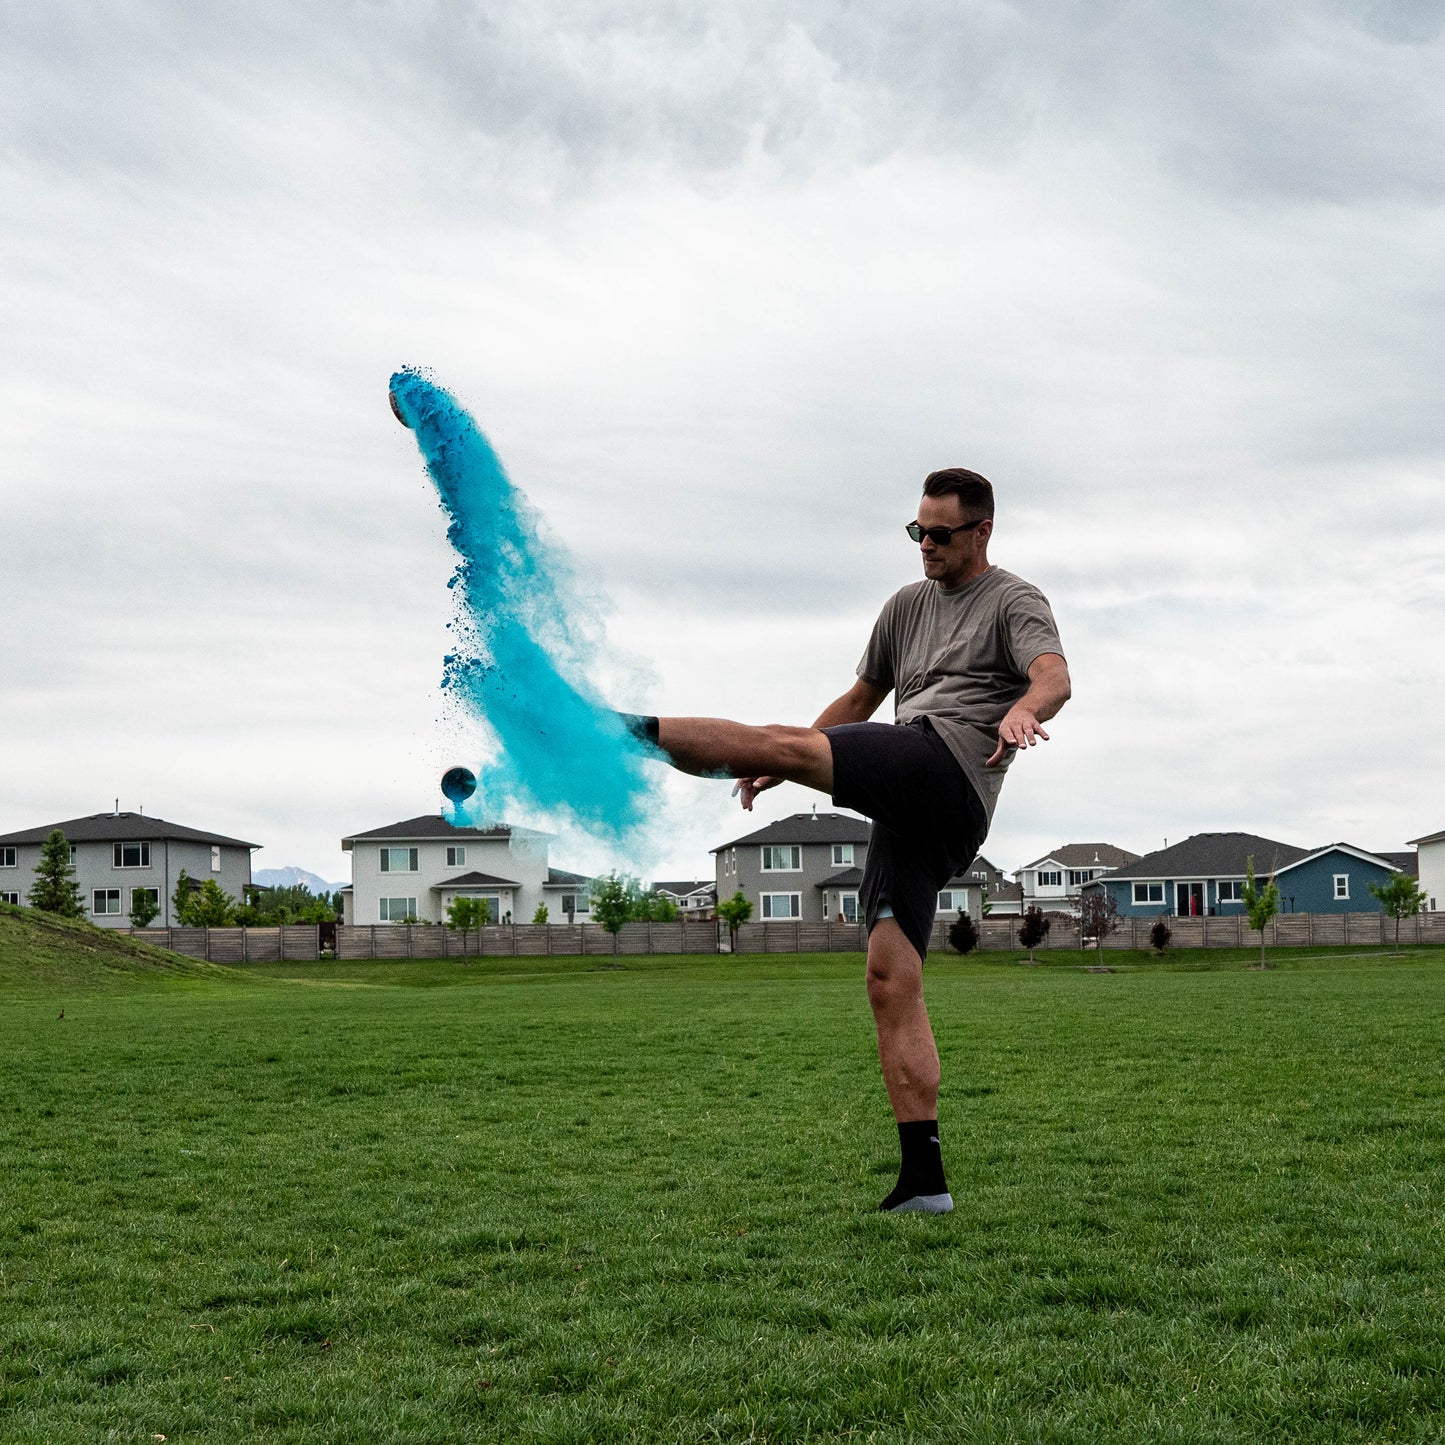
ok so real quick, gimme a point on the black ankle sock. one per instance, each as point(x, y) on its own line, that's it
point(643, 728)
point(922, 1169)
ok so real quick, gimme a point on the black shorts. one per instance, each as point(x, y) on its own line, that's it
point(928, 822)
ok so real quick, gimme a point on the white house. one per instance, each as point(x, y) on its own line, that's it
point(412, 870)
point(117, 855)
point(1056, 880)
point(693, 897)
point(1430, 850)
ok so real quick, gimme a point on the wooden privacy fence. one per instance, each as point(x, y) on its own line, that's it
point(301, 942)
point(295, 943)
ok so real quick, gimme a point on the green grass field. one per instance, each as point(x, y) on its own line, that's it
point(556, 1200)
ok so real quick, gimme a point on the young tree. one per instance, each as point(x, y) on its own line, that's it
point(1098, 916)
point(614, 898)
point(735, 912)
point(181, 899)
point(1160, 934)
point(963, 934)
point(55, 889)
point(985, 907)
point(654, 908)
point(143, 907)
point(540, 916)
point(1401, 898)
point(211, 906)
point(1034, 930)
point(468, 914)
point(1260, 903)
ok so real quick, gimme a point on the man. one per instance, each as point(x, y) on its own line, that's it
point(973, 658)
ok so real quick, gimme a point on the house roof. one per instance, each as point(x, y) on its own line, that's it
point(561, 878)
point(1210, 855)
point(432, 825)
point(1086, 855)
point(1428, 838)
point(808, 828)
point(1406, 862)
point(121, 828)
point(848, 878)
point(1349, 848)
point(475, 880)
point(682, 887)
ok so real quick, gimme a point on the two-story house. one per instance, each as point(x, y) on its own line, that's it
point(809, 867)
point(117, 854)
point(1205, 875)
point(412, 870)
point(1430, 852)
point(804, 867)
point(1055, 881)
point(694, 898)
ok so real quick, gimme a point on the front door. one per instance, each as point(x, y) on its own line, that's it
point(1189, 899)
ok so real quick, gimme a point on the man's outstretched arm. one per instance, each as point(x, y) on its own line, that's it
point(858, 704)
point(1048, 691)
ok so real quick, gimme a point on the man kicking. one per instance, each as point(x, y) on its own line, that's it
point(973, 659)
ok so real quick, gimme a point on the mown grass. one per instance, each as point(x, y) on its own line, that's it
point(550, 1200)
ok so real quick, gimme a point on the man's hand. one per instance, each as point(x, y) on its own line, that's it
point(1049, 690)
point(1019, 729)
point(749, 788)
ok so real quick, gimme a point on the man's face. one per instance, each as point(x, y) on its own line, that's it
point(964, 555)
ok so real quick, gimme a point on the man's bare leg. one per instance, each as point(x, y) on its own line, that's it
point(909, 1056)
point(711, 746)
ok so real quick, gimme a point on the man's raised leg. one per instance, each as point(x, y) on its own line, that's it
point(909, 1056)
point(711, 746)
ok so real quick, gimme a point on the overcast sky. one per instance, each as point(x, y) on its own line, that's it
point(723, 284)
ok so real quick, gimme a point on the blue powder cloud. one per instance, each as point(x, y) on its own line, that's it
point(527, 642)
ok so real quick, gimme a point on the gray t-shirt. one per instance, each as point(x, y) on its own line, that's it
point(960, 657)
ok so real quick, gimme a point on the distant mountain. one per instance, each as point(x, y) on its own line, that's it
point(290, 877)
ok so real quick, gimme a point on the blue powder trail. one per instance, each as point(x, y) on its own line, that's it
point(527, 649)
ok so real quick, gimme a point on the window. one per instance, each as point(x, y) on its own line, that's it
point(1342, 885)
point(397, 910)
point(456, 857)
point(1231, 890)
point(134, 855)
point(7, 857)
point(980, 874)
point(1148, 893)
point(215, 857)
point(1050, 878)
point(398, 860)
point(784, 858)
point(1079, 876)
point(951, 900)
point(11, 898)
point(569, 904)
point(842, 855)
point(155, 894)
point(72, 853)
point(782, 905)
point(105, 901)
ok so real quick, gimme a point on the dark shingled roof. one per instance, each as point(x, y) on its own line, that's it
point(1088, 855)
point(429, 825)
point(808, 828)
point(121, 828)
point(1211, 855)
point(681, 887)
point(476, 880)
point(1407, 862)
point(561, 878)
point(848, 878)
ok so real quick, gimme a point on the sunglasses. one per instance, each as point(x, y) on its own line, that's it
point(939, 536)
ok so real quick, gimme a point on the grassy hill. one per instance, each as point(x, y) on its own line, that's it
point(40, 951)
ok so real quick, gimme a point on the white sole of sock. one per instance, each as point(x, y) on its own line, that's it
point(925, 1204)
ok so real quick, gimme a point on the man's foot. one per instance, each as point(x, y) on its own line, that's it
point(904, 1201)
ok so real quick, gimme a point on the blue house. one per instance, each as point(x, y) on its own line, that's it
point(1204, 876)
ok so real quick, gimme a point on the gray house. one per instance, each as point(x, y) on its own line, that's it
point(804, 867)
point(115, 854)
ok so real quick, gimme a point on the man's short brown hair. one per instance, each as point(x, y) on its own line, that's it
point(975, 493)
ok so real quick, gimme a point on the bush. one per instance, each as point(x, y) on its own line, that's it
point(963, 935)
point(1160, 934)
point(1034, 929)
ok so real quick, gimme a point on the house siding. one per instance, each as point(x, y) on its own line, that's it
point(1309, 888)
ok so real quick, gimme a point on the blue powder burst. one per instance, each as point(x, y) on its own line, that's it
point(527, 642)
